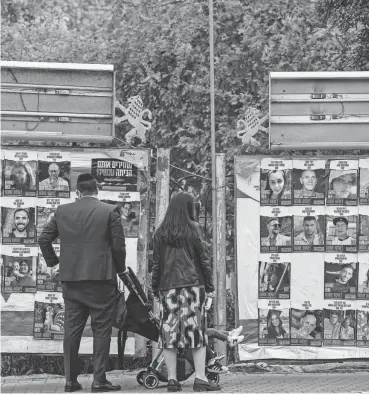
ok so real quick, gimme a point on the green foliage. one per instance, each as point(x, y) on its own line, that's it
point(351, 17)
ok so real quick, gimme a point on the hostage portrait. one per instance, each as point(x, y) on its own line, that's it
point(129, 215)
point(275, 187)
point(47, 277)
point(341, 233)
point(342, 187)
point(340, 280)
point(274, 280)
point(20, 178)
point(308, 186)
point(48, 320)
point(308, 233)
point(19, 274)
point(364, 232)
point(362, 328)
point(54, 179)
point(306, 327)
point(274, 327)
point(339, 327)
point(276, 234)
point(18, 225)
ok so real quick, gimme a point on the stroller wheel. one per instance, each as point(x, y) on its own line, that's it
point(139, 377)
point(213, 377)
point(150, 380)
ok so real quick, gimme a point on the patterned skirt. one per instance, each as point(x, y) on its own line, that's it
point(182, 318)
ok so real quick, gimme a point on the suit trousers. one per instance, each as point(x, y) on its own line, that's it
point(82, 299)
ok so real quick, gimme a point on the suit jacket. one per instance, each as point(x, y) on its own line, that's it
point(92, 244)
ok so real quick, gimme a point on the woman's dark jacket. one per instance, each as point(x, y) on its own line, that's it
point(183, 266)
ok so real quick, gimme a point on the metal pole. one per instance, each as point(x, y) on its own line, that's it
point(162, 202)
point(220, 299)
point(213, 150)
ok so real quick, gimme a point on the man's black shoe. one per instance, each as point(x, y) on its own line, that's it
point(72, 386)
point(99, 387)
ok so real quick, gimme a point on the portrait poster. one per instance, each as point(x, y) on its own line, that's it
point(340, 276)
point(274, 322)
point(275, 230)
point(54, 172)
point(363, 277)
point(362, 324)
point(18, 220)
point(129, 206)
point(48, 277)
point(364, 228)
point(20, 173)
point(45, 211)
point(275, 182)
point(308, 180)
point(341, 229)
point(48, 316)
point(19, 268)
point(308, 229)
point(274, 276)
point(306, 327)
point(340, 324)
point(342, 182)
point(114, 174)
point(364, 182)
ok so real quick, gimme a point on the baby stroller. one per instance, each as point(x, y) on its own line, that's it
point(138, 305)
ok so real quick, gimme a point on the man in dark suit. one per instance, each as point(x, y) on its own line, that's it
point(92, 253)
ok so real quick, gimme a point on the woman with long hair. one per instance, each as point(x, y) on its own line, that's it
point(181, 282)
point(276, 184)
point(23, 176)
point(275, 329)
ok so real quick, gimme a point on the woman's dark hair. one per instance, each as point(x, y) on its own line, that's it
point(179, 224)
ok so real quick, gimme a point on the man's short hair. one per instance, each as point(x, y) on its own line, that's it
point(307, 218)
point(87, 184)
point(21, 209)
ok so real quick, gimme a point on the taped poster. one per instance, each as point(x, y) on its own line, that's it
point(49, 316)
point(340, 276)
point(275, 182)
point(308, 179)
point(129, 205)
point(45, 211)
point(306, 326)
point(342, 186)
point(364, 182)
point(308, 229)
point(274, 276)
point(363, 277)
point(363, 228)
point(362, 327)
point(18, 220)
point(54, 171)
point(275, 230)
point(341, 229)
point(340, 324)
point(48, 278)
point(114, 174)
point(19, 268)
point(20, 173)
point(274, 322)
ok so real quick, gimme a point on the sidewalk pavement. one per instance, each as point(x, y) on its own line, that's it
point(236, 382)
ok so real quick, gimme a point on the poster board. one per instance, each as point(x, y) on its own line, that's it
point(31, 304)
point(302, 257)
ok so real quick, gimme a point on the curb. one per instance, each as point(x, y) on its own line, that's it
point(262, 367)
